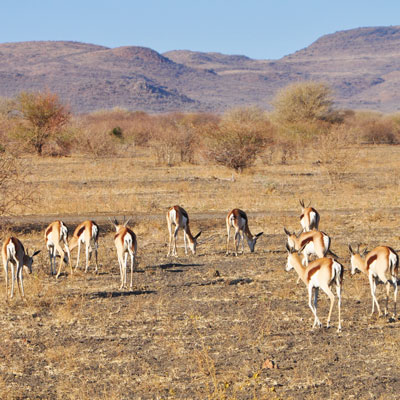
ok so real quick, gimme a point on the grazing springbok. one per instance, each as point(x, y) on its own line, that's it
point(313, 242)
point(55, 235)
point(321, 273)
point(237, 219)
point(13, 252)
point(179, 217)
point(85, 233)
point(125, 243)
point(309, 218)
point(381, 265)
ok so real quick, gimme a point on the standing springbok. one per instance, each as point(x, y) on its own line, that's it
point(237, 219)
point(379, 264)
point(55, 235)
point(13, 252)
point(309, 218)
point(321, 273)
point(179, 217)
point(85, 233)
point(313, 242)
point(125, 243)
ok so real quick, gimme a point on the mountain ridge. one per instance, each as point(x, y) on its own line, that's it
point(362, 65)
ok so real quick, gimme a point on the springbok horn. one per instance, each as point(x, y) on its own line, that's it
point(126, 222)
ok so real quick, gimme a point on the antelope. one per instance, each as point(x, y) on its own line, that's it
point(309, 218)
point(313, 242)
point(321, 273)
point(55, 234)
point(378, 264)
point(179, 217)
point(85, 233)
point(238, 219)
point(125, 243)
point(13, 252)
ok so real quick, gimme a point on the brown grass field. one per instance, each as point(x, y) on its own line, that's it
point(202, 327)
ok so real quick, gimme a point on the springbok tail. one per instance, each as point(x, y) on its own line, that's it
point(95, 232)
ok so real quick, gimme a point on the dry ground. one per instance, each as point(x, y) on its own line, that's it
point(202, 326)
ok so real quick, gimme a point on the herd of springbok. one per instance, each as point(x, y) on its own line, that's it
point(380, 264)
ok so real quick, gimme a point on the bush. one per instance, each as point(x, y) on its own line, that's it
point(373, 127)
point(303, 102)
point(134, 127)
point(117, 132)
point(13, 187)
point(95, 140)
point(176, 137)
point(333, 151)
point(239, 138)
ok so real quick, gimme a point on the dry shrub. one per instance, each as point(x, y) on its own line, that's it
point(14, 188)
point(96, 140)
point(336, 152)
point(140, 129)
point(133, 127)
point(374, 127)
point(173, 137)
point(164, 143)
point(176, 137)
point(239, 138)
point(303, 101)
point(291, 140)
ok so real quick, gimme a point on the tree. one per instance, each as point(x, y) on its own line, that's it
point(304, 102)
point(43, 117)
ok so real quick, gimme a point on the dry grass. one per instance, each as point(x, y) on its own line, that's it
point(201, 327)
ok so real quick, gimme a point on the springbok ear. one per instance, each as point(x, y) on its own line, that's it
point(288, 248)
point(197, 235)
point(364, 252)
point(309, 204)
point(286, 231)
point(259, 234)
point(36, 253)
point(351, 250)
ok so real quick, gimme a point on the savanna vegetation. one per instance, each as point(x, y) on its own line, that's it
point(206, 326)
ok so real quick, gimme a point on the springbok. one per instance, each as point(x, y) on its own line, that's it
point(237, 219)
point(13, 252)
point(309, 218)
point(313, 242)
point(125, 243)
point(321, 273)
point(177, 216)
point(55, 234)
point(85, 233)
point(379, 264)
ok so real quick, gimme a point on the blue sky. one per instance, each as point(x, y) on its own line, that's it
point(256, 28)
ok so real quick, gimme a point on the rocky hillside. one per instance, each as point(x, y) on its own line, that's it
point(362, 65)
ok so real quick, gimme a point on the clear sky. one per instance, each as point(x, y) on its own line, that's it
point(259, 29)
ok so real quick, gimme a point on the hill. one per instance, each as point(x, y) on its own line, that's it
point(362, 65)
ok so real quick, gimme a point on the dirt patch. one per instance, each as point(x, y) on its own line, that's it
point(193, 327)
